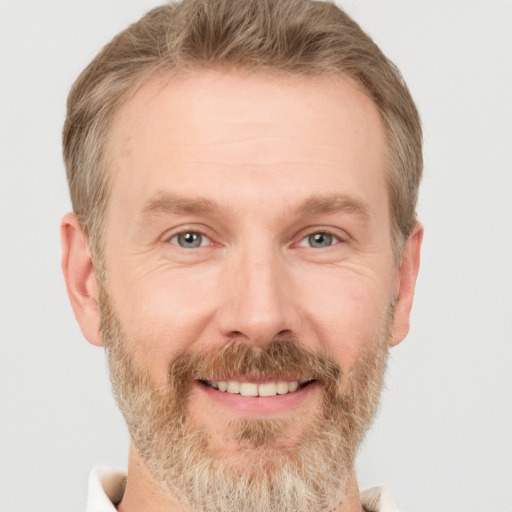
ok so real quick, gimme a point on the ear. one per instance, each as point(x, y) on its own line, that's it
point(406, 283)
point(80, 277)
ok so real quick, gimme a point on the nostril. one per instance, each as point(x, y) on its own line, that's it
point(234, 335)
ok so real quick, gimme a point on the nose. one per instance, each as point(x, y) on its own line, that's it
point(259, 303)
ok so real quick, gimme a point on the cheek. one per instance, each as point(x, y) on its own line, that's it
point(162, 316)
point(347, 314)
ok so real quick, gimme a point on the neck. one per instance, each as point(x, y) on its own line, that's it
point(144, 494)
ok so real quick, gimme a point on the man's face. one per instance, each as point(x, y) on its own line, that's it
point(248, 220)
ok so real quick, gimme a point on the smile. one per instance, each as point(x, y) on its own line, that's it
point(256, 389)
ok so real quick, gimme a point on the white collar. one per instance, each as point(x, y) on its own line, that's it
point(106, 487)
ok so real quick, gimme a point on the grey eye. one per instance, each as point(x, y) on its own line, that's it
point(189, 240)
point(319, 240)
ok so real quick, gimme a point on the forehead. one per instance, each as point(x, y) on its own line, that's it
point(288, 133)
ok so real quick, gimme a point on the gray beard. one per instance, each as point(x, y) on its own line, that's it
point(310, 475)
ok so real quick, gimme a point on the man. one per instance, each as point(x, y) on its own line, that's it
point(244, 244)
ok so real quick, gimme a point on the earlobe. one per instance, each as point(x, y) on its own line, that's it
point(407, 275)
point(80, 278)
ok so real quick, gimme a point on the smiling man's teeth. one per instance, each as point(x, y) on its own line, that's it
point(253, 389)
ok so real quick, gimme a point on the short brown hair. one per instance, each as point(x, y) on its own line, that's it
point(303, 37)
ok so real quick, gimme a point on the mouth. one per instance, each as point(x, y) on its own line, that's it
point(257, 389)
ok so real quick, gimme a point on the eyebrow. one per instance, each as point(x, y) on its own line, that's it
point(334, 203)
point(314, 205)
point(179, 205)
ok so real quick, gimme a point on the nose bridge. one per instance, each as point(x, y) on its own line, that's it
point(258, 305)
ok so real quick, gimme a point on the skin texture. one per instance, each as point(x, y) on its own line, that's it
point(255, 165)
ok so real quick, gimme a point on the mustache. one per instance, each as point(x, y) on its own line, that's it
point(282, 359)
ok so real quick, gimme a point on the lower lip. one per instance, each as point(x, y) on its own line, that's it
point(258, 405)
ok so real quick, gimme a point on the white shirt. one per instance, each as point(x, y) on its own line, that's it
point(106, 487)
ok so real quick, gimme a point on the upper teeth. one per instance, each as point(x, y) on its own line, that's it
point(253, 389)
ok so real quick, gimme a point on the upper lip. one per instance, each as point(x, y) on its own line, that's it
point(258, 380)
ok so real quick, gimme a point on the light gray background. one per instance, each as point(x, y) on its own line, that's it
point(443, 439)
